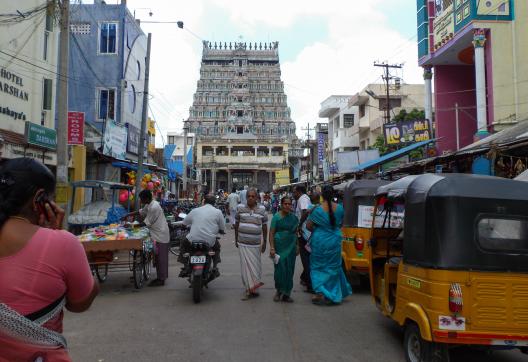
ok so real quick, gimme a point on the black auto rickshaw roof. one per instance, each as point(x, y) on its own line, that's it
point(443, 213)
point(364, 187)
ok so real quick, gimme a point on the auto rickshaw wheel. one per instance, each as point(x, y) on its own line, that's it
point(419, 350)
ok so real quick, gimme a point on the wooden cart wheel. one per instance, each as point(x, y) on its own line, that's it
point(137, 269)
point(101, 271)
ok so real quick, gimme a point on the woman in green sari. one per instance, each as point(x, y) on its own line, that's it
point(283, 245)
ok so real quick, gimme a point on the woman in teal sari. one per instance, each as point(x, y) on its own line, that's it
point(283, 244)
point(328, 280)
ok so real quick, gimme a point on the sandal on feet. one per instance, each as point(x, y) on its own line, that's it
point(319, 299)
point(277, 297)
point(254, 294)
point(246, 296)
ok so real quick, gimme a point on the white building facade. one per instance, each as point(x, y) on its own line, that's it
point(29, 33)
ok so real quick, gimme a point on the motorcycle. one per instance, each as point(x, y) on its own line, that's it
point(200, 259)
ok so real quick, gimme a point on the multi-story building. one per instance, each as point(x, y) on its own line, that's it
point(240, 116)
point(174, 154)
point(371, 104)
point(476, 51)
point(341, 119)
point(28, 79)
point(107, 72)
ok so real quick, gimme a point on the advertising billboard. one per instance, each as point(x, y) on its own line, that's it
point(406, 132)
point(115, 140)
point(75, 128)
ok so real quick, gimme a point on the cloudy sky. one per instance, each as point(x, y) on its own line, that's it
point(326, 47)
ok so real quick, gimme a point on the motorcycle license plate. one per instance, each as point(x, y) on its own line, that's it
point(200, 259)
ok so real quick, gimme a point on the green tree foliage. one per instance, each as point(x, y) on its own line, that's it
point(413, 115)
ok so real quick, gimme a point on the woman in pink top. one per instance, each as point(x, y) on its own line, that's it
point(42, 268)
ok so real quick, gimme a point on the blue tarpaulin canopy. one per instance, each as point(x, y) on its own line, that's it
point(391, 156)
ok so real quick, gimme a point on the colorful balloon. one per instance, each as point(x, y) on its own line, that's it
point(150, 185)
point(123, 196)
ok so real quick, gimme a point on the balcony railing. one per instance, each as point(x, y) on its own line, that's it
point(257, 160)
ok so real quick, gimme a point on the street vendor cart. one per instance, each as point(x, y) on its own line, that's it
point(115, 247)
point(103, 204)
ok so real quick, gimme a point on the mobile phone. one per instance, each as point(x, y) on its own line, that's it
point(41, 201)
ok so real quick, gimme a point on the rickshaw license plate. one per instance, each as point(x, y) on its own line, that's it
point(513, 343)
point(200, 259)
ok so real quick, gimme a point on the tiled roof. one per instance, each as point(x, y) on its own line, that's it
point(12, 137)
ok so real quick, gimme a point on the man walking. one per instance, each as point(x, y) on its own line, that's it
point(302, 208)
point(233, 200)
point(243, 196)
point(251, 233)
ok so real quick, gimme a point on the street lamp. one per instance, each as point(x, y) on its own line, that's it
point(149, 9)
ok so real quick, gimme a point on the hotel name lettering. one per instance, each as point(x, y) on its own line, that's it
point(11, 84)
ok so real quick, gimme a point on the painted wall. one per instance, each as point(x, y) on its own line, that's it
point(25, 40)
point(123, 71)
point(452, 83)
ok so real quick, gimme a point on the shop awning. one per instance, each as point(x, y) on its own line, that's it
point(391, 156)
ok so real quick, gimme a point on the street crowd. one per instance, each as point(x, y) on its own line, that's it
point(44, 269)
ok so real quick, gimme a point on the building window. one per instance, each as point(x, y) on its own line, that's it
point(239, 63)
point(240, 113)
point(171, 140)
point(46, 41)
point(49, 22)
point(240, 130)
point(106, 100)
point(47, 94)
point(361, 111)
point(348, 120)
point(108, 38)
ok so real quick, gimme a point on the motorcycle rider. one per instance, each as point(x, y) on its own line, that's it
point(206, 223)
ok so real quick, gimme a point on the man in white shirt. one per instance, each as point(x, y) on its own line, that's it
point(302, 208)
point(233, 200)
point(243, 196)
point(153, 217)
point(206, 223)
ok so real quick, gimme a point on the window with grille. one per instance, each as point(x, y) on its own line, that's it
point(108, 38)
point(348, 120)
point(106, 104)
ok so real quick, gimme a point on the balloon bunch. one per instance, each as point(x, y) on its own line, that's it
point(125, 196)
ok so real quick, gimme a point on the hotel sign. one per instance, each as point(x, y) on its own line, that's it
point(444, 27)
point(41, 136)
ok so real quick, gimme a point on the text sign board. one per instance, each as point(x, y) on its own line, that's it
point(406, 132)
point(75, 128)
point(115, 140)
point(320, 146)
point(41, 136)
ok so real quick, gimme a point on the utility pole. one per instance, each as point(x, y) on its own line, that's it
point(308, 130)
point(184, 175)
point(62, 105)
point(142, 132)
point(387, 77)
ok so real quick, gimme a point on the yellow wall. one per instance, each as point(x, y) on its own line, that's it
point(505, 57)
point(79, 174)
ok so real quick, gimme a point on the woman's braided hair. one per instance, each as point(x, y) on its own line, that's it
point(20, 179)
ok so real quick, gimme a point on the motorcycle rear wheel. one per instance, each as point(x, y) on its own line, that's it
point(197, 288)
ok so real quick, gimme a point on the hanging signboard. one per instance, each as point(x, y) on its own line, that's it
point(406, 132)
point(75, 128)
point(41, 136)
point(115, 140)
point(320, 146)
point(282, 177)
point(133, 139)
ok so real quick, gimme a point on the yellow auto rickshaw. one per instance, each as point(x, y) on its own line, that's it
point(450, 262)
point(359, 196)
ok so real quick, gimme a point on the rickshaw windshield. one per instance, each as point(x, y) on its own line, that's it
point(389, 214)
point(503, 234)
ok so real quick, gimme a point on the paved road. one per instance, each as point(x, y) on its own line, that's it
point(163, 324)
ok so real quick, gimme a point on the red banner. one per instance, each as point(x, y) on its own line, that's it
point(75, 128)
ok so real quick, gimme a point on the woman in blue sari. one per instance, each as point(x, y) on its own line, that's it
point(328, 280)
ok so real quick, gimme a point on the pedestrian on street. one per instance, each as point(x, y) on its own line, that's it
point(251, 231)
point(42, 268)
point(233, 200)
point(243, 195)
point(302, 207)
point(327, 276)
point(154, 218)
point(283, 245)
